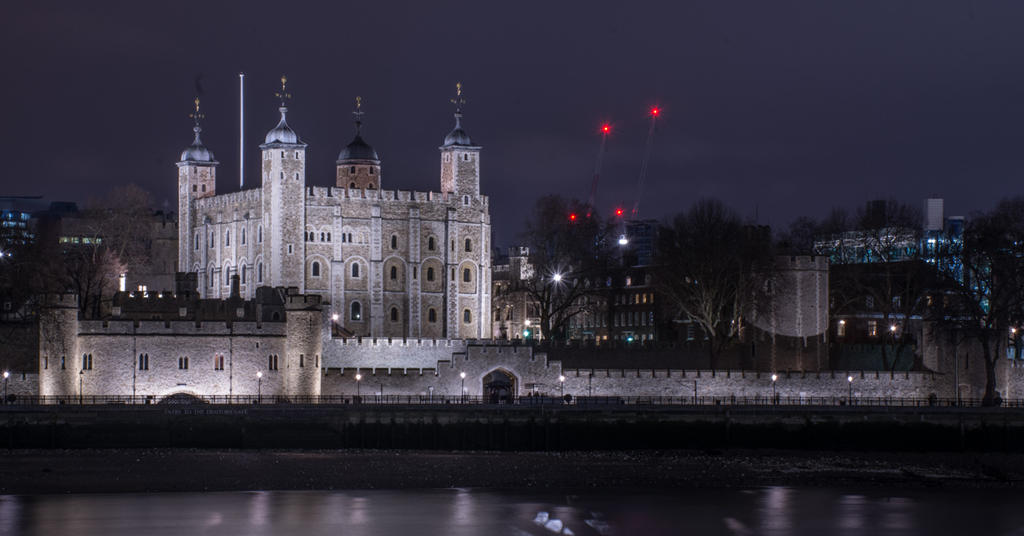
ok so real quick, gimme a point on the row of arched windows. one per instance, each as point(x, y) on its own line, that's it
point(356, 314)
point(227, 238)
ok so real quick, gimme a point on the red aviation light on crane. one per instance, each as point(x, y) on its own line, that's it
point(655, 111)
point(606, 128)
point(572, 216)
point(618, 212)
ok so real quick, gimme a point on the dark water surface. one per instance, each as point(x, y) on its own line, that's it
point(777, 510)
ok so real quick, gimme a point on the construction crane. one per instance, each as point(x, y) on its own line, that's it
point(605, 129)
point(654, 113)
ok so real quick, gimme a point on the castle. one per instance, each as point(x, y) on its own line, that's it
point(391, 263)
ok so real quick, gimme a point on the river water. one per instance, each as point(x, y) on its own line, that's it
point(775, 510)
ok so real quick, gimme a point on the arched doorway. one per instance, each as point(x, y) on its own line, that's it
point(499, 387)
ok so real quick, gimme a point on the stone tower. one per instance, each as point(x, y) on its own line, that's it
point(358, 164)
point(197, 174)
point(284, 214)
point(59, 362)
point(460, 157)
point(303, 318)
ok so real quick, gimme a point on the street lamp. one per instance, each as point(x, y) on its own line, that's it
point(849, 395)
point(775, 399)
point(81, 376)
point(557, 277)
point(463, 376)
point(623, 241)
point(561, 385)
point(259, 386)
point(6, 375)
point(358, 377)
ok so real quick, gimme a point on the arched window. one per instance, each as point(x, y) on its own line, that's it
point(394, 314)
point(430, 273)
point(355, 269)
point(227, 238)
point(197, 242)
point(394, 242)
point(352, 186)
point(323, 236)
point(315, 269)
point(328, 237)
point(430, 243)
point(227, 275)
point(356, 311)
point(469, 245)
point(241, 272)
point(467, 276)
point(243, 236)
point(352, 169)
point(431, 315)
point(394, 273)
point(467, 316)
point(259, 273)
point(259, 234)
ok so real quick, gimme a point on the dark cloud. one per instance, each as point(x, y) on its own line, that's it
point(779, 108)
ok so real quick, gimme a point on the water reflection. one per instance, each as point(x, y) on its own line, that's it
point(768, 511)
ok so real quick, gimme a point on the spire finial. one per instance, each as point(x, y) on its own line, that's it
point(283, 94)
point(358, 114)
point(196, 116)
point(458, 101)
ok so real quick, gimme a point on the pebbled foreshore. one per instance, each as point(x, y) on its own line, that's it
point(152, 470)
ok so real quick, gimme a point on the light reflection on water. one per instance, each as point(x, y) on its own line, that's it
point(765, 511)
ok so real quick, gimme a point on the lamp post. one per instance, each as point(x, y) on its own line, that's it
point(81, 376)
point(849, 395)
point(463, 376)
point(6, 375)
point(430, 394)
point(358, 377)
point(775, 399)
point(259, 386)
point(561, 385)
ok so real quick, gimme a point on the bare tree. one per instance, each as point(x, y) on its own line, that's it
point(984, 298)
point(570, 257)
point(712, 269)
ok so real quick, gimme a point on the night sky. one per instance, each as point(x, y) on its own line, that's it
point(778, 108)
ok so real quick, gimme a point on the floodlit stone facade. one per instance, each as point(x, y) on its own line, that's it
point(390, 263)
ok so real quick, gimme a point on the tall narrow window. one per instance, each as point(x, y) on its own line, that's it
point(86, 361)
point(431, 315)
point(466, 275)
point(259, 234)
point(355, 269)
point(143, 361)
point(315, 270)
point(469, 245)
point(243, 236)
point(259, 273)
point(196, 246)
point(430, 273)
point(430, 243)
point(227, 238)
point(218, 362)
point(394, 314)
point(241, 272)
point(183, 363)
point(302, 360)
point(272, 362)
point(394, 242)
point(394, 273)
point(467, 316)
point(356, 311)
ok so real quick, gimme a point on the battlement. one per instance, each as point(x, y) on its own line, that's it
point(389, 342)
point(782, 376)
point(301, 302)
point(802, 262)
point(61, 301)
point(182, 327)
point(383, 195)
point(232, 200)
